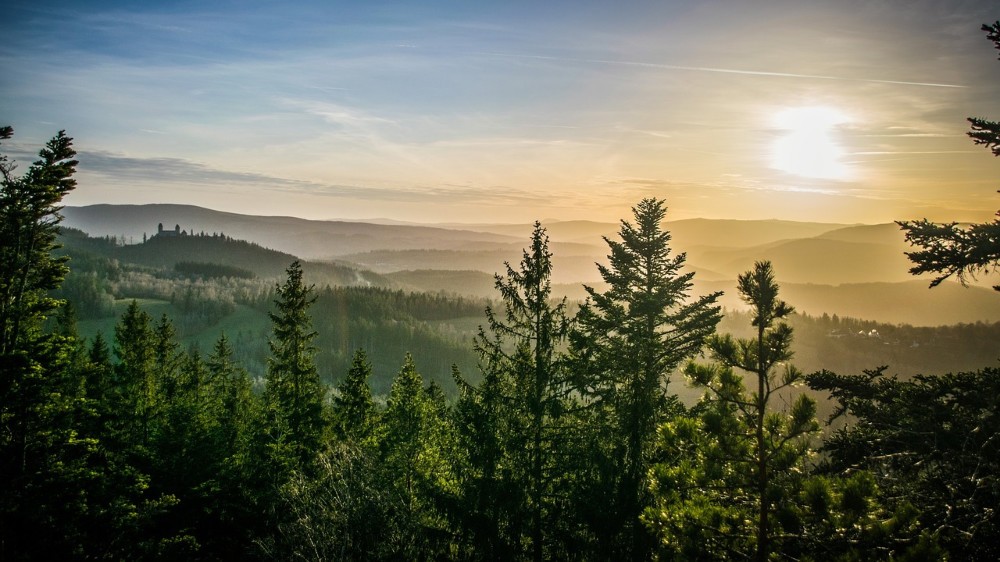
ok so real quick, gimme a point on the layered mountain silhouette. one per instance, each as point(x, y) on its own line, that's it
point(849, 270)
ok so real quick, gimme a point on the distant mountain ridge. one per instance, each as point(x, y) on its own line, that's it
point(307, 239)
point(851, 270)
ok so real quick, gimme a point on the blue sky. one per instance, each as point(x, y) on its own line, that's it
point(511, 111)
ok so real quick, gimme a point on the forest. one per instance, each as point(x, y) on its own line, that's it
point(198, 397)
point(560, 435)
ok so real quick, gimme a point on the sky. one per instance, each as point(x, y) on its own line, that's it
point(435, 111)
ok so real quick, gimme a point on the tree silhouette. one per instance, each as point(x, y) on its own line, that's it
point(630, 339)
point(948, 249)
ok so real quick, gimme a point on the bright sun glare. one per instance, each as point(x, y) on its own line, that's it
point(807, 146)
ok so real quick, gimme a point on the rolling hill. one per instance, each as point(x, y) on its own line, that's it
point(849, 270)
point(306, 239)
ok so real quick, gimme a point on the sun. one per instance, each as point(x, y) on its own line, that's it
point(808, 146)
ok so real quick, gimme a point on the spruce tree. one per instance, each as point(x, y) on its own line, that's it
point(353, 407)
point(54, 486)
point(951, 249)
point(136, 385)
point(294, 395)
point(29, 226)
point(629, 340)
point(522, 362)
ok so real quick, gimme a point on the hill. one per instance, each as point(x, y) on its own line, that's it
point(850, 270)
point(905, 302)
point(165, 253)
point(813, 260)
point(307, 239)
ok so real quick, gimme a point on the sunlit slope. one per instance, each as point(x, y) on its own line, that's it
point(692, 233)
point(849, 270)
point(813, 260)
point(307, 239)
point(906, 302)
point(165, 253)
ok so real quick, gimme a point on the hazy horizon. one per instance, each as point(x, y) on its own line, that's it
point(450, 112)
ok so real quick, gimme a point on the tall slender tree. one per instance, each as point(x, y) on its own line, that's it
point(294, 394)
point(415, 444)
point(48, 473)
point(29, 225)
point(629, 340)
point(136, 391)
point(521, 356)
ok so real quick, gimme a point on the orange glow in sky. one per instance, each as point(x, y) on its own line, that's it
point(448, 111)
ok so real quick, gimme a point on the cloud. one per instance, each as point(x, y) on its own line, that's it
point(341, 115)
point(745, 72)
point(178, 171)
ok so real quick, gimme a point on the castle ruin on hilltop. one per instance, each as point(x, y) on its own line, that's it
point(170, 233)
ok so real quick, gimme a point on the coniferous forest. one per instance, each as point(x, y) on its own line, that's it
point(569, 442)
point(559, 434)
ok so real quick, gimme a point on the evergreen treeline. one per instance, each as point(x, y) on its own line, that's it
point(201, 269)
point(567, 442)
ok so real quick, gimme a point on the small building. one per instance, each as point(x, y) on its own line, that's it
point(168, 233)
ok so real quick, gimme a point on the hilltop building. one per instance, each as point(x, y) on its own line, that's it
point(169, 233)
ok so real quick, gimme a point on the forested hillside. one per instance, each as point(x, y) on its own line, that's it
point(211, 285)
point(522, 427)
point(228, 288)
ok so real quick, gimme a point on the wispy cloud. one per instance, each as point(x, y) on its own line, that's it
point(178, 171)
point(744, 72)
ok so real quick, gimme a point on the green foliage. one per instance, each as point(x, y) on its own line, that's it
point(344, 512)
point(932, 444)
point(733, 468)
point(524, 397)
point(29, 224)
point(145, 451)
point(293, 393)
point(416, 449)
point(202, 269)
point(135, 387)
point(629, 340)
point(189, 255)
point(353, 408)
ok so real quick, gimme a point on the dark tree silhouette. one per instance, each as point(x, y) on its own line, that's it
point(948, 249)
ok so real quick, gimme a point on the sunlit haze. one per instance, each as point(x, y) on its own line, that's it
point(441, 111)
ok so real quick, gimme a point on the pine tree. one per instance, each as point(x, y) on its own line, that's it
point(230, 396)
point(51, 474)
point(488, 502)
point(417, 447)
point(728, 468)
point(29, 225)
point(629, 340)
point(949, 249)
point(136, 384)
point(233, 410)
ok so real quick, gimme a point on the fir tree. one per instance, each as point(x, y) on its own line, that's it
point(136, 385)
point(53, 483)
point(629, 340)
point(417, 445)
point(949, 249)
